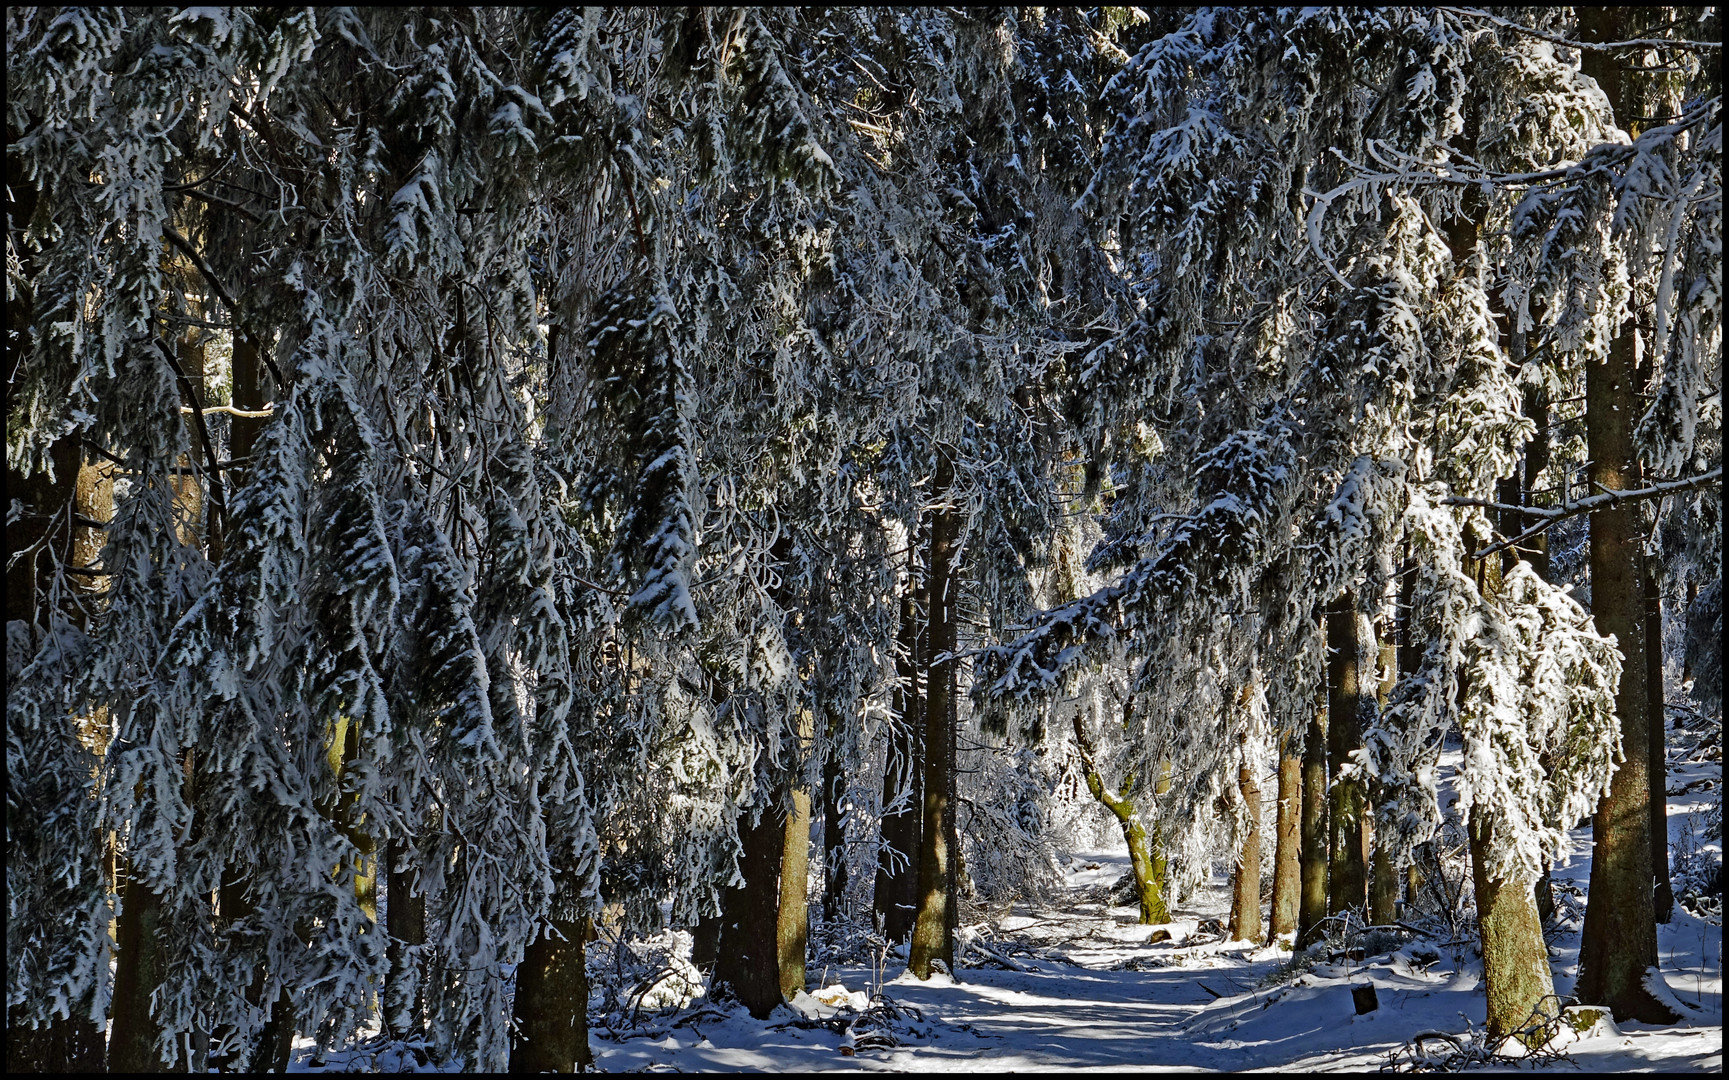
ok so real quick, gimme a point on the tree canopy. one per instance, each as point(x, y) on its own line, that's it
point(508, 436)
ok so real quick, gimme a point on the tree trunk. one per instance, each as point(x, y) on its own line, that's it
point(249, 395)
point(1157, 865)
point(705, 942)
point(1347, 861)
point(1657, 772)
point(405, 927)
point(1312, 854)
point(1516, 973)
point(1536, 550)
point(1145, 861)
point(551, 1007)
point(1246, 893)
point(1384, 876)
point(792, 929)
point(933, 936)
point(834, 864)
point(746, 957)
point(1287, 846)
point(903, 771)
point(344, 748)
point(1384, 880)
point(1619, 944)
point(141, 963)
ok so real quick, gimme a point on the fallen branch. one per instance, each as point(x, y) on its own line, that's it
point(1012, 965)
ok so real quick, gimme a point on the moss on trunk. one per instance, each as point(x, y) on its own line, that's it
point(1312, 828)
point(1146, 861)
point(1246, 883)
point(1347, 860)
point(1516, 974)
point(792, 926)
point(1287, 846)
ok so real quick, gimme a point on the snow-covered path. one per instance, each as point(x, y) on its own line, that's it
point(1053, 1015)
point(1088, 990)
point(1096, 995)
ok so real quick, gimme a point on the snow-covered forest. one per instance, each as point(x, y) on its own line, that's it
point(863, 538)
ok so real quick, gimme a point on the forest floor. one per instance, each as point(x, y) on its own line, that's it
point(1078, 984)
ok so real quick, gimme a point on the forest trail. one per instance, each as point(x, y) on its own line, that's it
point(1075, 983)
point(1090, 992)
point(1095, 994)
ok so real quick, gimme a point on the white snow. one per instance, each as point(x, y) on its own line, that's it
point(1092, 992)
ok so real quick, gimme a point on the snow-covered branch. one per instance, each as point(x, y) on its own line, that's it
point(1549, 515)
point(1583, 46)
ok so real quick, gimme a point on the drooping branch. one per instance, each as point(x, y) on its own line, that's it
point(1549, 515)
point(1396, 167)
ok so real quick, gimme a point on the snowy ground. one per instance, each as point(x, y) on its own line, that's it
point(1081, 985)
point(1105, 998)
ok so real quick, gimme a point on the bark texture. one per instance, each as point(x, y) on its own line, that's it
point(1145, 861)
point(747, 956)
point(902, 832)
point(551, 1007)
point(933, 936)
point(1618, 950)
point(1619, 945)
point(1384, 870)
point(792, 926)
point(1246, 884)
point(1347, 862)
point(705, 942)
point(1312, 855)
point(1287, 847)
point(1516, 972)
